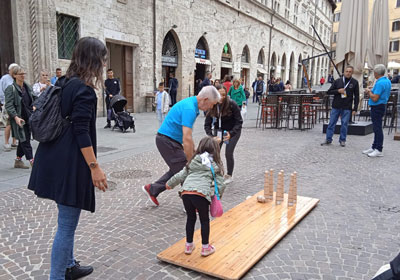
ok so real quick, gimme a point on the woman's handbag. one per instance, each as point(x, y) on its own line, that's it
point(216, 205)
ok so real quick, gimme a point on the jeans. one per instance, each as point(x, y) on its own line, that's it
point(62, 253)
point(229, 149)
point(191, 203)
point(345, 117)
point(377, 113)
point(172, 93)
point(160, 117)
point(174, 156)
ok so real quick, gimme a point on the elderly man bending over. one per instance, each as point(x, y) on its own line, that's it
point(174, 138)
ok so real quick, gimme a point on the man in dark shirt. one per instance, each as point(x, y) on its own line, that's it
point(173, 86)
point(112, 88)
point(345, 91)
point(206, 81)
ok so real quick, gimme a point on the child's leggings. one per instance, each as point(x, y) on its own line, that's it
point(191, 203)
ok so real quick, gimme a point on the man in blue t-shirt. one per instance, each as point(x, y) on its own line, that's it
point(174, 138)
point(378, 98)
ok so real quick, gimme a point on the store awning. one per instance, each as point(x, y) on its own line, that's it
point(202, 61)
point(262, 70)
point(393, 65)
point(225, 64)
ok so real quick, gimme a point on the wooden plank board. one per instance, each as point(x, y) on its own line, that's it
point(242, 236)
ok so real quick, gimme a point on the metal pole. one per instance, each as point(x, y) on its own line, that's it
point(326, 50)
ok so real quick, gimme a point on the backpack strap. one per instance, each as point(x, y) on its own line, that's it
point(215, 182)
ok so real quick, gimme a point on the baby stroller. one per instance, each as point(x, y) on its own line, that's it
point(123, 120)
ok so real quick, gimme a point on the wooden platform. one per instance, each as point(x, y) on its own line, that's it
point(242, 236)
point(357, 128)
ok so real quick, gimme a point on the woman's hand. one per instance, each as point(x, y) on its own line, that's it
point(99, 179)
point(227, 136)
point(167, 187)
point(19, 121)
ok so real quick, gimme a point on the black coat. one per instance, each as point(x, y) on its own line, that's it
point(232, 123)
point(352, 91)
point(60, 172)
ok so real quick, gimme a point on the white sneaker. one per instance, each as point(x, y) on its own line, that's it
point(375, 153)
point(228, 179)
point(7, 147)
point(366, 152)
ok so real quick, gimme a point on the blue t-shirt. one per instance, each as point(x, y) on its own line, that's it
point(159, 100)
point(183, 113)
point(382, 88)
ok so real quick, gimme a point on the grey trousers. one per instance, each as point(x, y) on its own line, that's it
point(174, 156)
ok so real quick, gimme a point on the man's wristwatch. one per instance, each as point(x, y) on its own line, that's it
point(93, 165)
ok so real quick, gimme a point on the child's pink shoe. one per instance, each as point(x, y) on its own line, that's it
point(207, 251)
point(189, 248)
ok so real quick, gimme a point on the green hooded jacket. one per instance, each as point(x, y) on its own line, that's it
point(198, 178)
point(237, 95)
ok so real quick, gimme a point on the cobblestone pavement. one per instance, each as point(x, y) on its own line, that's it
point(352, 232)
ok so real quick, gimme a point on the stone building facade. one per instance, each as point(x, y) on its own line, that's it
point(148, 40)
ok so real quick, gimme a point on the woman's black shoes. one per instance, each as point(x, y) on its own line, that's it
point(77, 271)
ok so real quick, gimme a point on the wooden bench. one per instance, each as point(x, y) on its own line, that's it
point(242, 236)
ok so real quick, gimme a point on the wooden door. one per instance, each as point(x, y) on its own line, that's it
point(6, 42)
point(128, 76)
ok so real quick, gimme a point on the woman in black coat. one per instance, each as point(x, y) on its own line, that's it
point(227, 117)
point(66, 169)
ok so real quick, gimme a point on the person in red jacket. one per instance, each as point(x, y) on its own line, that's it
point(322, 81)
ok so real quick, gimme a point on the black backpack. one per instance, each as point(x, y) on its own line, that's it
point(260, 87)
point(46, 121)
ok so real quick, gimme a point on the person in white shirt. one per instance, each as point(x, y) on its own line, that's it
point(162, 101)
point(44, 82)
point(5, 81)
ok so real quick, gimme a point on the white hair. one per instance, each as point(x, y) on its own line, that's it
point(380, 69)
point(209, 92)
point(12, 65)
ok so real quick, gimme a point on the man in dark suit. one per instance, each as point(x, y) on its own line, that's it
point(112, 88)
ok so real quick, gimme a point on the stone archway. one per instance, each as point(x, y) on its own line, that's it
point(171, 60)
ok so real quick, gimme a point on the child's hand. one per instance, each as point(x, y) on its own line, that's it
point(167, 187)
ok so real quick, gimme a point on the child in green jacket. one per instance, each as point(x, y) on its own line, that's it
point(197, 189)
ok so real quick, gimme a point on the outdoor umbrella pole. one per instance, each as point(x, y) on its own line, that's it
point(326, 50)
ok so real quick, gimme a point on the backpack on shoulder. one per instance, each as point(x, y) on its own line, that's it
point(46, 121)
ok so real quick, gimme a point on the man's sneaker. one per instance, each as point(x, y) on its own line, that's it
point(108, 126)
point(376, 153)
point(77, 271)
point(228, 179)
point(189, 248)
point(14, 146)
point(342, 143)
point(326, 142)
point(207, 251)
point(7, 147)
point(152, 199)
point(20, 164)
point(366, 152)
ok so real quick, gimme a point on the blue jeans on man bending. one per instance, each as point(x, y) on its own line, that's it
point(345, 117)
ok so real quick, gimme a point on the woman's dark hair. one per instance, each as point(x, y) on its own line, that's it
point(209, 145)
point(224, 107)
point(87, 61)
point(288, 82)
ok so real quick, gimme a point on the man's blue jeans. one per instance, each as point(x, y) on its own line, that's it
point(345, 117)
point(377, 113)
point(62, 254)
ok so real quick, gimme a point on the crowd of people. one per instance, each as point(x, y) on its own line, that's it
point(66, 171)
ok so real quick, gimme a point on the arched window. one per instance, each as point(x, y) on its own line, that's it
point(246, 55)
point(226, 53)
point(260, 59)
point(169, 51)
point(202, 49)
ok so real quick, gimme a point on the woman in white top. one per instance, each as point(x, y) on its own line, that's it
point(44, 82)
